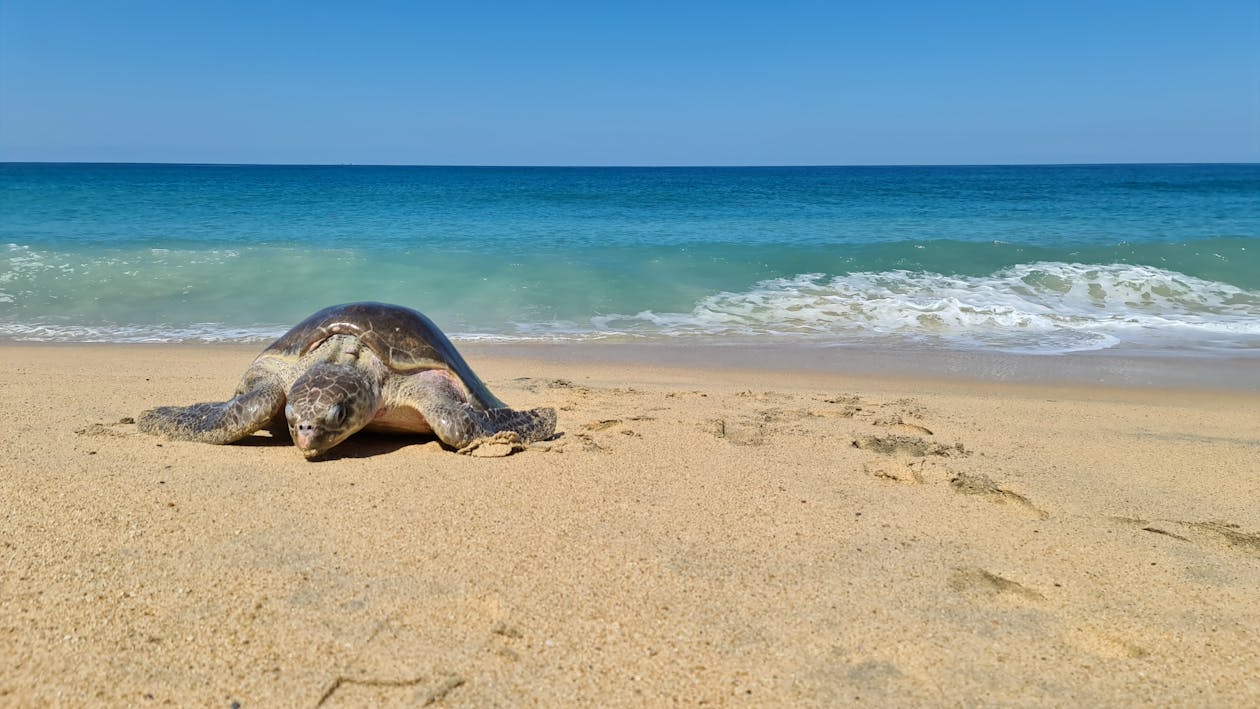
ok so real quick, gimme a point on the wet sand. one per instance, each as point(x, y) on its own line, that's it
point(750, 533)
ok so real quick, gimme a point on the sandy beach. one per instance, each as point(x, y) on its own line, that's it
point(734, 534)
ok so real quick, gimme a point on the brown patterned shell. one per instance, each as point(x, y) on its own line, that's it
point(405, 340)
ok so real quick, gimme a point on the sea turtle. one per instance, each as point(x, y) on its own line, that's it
point(350, 367)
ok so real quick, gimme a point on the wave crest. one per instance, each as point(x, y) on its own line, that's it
point(1030, 307)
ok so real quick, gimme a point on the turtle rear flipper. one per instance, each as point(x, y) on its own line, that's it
point(217, 422)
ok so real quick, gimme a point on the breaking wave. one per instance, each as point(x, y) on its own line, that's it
point(1040, 307)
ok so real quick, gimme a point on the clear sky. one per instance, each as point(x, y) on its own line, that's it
point(639, 82)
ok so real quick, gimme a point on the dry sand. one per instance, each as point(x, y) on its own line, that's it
point(721, 535)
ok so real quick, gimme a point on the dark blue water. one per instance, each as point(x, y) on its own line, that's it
point(1024, 258)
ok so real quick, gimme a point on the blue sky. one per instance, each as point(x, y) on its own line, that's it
point(630, 83)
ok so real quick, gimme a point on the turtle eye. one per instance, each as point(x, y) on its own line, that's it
point(336, 414)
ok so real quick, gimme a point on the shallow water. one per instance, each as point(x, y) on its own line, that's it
point(1022, 259)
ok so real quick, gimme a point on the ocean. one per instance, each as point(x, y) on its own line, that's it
point(1035, 259)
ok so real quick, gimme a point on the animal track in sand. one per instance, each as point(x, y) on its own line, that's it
point(500, 445)
point(762, 395)
point(419, 691)
point(533, 384)
point(604, 424)
point(894, 444)
point(1232, 534)
point(745, 432)
point(576, 392)
point(845, 413)
point(892, 415)
point(1165, 532)
point(850, 406)
point(107, 429)
point(897, 423)
point(680, 394)
point(757, 428)
point(974, 580)
point(847, 399)
point(917, 470)
point(601, 425)
point(1215, 532)
point(969, 484)
point(1104, 644)
point(589, 441)
point(923, 467)
point(908, 458)
point(589, 444)
point(911, 408)
point(562, 443)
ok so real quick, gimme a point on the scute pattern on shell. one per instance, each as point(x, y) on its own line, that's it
point(405, 340)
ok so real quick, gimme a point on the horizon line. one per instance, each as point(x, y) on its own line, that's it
point(614, 166)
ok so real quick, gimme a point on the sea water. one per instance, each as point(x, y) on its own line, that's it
point(1043, 259)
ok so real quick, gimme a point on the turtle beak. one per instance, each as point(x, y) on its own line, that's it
point(305, 435)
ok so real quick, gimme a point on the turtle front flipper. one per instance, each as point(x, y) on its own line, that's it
point(218, 422)
point(531, 425)
point(456, 423)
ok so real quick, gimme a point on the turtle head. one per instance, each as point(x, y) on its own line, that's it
point(327, 404)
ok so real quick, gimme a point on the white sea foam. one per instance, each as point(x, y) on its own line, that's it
point(1039, 307)
point(220, 333)
point(201, 332)
point(1047, 307)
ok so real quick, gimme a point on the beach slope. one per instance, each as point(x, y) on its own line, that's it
point(721, 535)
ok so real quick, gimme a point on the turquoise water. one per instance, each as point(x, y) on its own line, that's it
point(1037, 259)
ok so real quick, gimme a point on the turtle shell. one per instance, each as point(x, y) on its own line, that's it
point(405, 340)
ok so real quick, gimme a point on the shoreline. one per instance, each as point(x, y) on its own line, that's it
point(699, 532)
point(1102, 367)
point(1174, 370)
